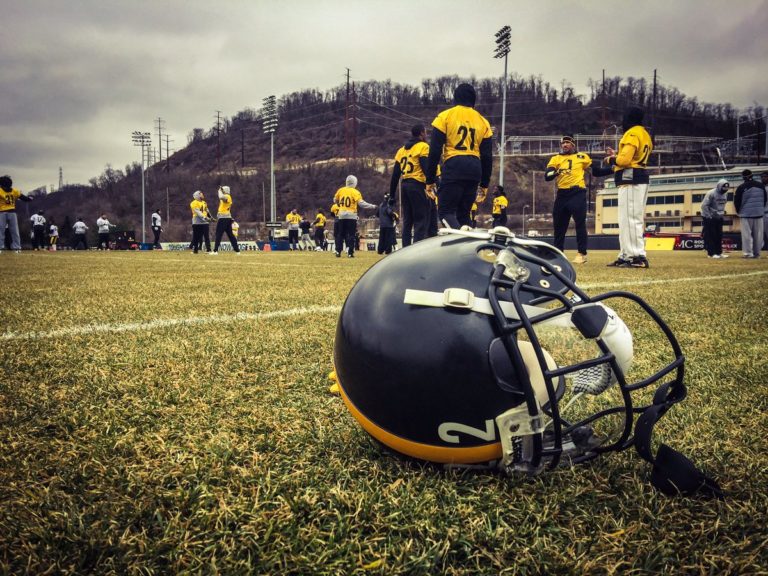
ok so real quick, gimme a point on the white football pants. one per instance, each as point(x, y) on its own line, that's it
point(632, 199)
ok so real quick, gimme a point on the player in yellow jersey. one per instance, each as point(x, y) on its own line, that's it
point(473, 215)
point(410, 162)
point(293, 219)
point(568, 169)
point(224, 221)
point(349, 199)
point(500, 204)
point(200, 219)
point(8, 218)
point(319, 224)
point(461, 137)
point(631, 177)
point(338, 241)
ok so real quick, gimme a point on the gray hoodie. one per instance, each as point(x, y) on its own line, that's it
point(713, 205)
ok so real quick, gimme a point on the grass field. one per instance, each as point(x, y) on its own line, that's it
point(169, 413)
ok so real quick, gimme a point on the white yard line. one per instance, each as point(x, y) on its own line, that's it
point(245, 316)
point(711, 278)
point(168, 323)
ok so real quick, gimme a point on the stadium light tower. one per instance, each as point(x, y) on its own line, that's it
point(269, 120)
point(502, 49)
point(142, 139)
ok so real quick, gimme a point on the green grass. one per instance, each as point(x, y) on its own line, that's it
point(212, 445)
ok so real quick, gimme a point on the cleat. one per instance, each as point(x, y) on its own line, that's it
point(580, 259)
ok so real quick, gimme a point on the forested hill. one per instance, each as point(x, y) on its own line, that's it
point(317, 131)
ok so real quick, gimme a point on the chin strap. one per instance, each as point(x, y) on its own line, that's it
point(672, 473)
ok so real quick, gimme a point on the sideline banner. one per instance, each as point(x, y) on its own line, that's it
point(247, 245)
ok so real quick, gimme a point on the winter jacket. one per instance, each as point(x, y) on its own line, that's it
point(713, 206)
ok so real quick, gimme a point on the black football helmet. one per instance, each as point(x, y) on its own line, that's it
point(473, 348)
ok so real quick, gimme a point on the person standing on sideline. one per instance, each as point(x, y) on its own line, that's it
point(104, 226)
point(764, 180)
point(8, 218)
point(338, 241)
point(410, 162)
point(499, 210)
point(568, 168)
point(157, 228)
point(200, 219)
point(349, 198)
point(38, 231)
point(631, 177)
point(319, 224)
point(224, 221)
point(293, 219)
point(712, 213)
point(305, 241)
point(387, 219)
point(79, 237)
point(461, 137)
point(53, 236)
point(750, 201)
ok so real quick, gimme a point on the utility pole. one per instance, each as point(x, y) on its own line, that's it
point(61, 178)
point(142, 139)
point(354, 123)
point(347, 139)
point(242, 147)
point(653, 109)
point(168, 153)
point(218, 140)
point(160, 137)
point(502, 50)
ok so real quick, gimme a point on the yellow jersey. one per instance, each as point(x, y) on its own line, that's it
point(635, 148)
point(465, 129)
point(292, 218)
point(320, 221)
point(199, 205)
point(225, 206)
point(8, 200)
point(499, 203)
point(347, 198)
point(335, 209)
point(570, 169)
point(411, 161)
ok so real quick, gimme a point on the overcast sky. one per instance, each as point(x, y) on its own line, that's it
point(77, 77)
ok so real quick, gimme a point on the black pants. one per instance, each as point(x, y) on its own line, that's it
point(387, 240)
point(79, 239)
point(570, 203)
point(200, 235)
point(225, 225)
point(156, 231)
point(293, 239)
point(455, 202)
point(103, 239)
point(347, 230)
point(319, 237)
point(38, 237)
point(338, 241)
point(498, 220)
point(415, 211)
point(713, 236)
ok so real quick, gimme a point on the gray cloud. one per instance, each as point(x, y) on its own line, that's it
point(78, 77)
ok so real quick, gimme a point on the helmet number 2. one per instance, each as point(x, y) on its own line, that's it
point(447, 431)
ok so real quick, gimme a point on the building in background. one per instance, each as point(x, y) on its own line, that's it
point(674, 201)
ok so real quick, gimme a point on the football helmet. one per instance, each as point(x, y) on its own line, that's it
point(475, 347)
